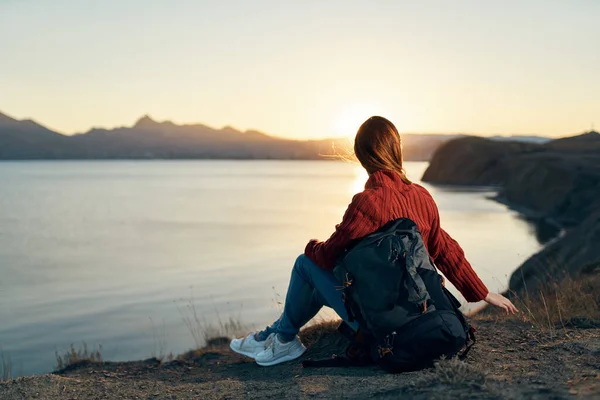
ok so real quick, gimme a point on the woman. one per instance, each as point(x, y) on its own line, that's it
point(388, 195)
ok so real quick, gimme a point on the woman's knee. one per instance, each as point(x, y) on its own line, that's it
point(302, 264)
point(301, 259)
point(299, 263)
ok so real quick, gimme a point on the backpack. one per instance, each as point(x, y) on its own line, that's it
point(406, 315)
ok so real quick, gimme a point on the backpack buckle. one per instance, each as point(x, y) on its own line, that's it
point(384, 351)
point(424, 306)
point(347, 282)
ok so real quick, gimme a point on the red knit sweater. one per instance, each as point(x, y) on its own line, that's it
point(385, 198)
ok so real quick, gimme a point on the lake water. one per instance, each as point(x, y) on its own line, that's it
point(115, 252)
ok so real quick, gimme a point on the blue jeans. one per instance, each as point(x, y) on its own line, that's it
point(311, 288)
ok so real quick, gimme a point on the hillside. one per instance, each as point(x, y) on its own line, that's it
point(149, 139)
point(556, 183)
point(512, 360)
point(28, 140)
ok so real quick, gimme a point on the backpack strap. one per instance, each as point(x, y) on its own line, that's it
point(470, 342)
point(346, 299)
point(335, 361)
point(414, 285)
point(357, 355)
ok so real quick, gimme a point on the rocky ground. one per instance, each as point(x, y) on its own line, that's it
point(512, 359)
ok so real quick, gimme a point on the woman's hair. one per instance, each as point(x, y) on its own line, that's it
point(378, 147)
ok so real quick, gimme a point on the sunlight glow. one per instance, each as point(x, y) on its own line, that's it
point(349, 119)
point(360, 178)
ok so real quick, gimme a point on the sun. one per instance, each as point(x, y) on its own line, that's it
point(347, 121)
point(346, 124)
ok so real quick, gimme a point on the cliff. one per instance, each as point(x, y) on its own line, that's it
point(557, 182)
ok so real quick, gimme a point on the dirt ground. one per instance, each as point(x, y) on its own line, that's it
point(511, 360)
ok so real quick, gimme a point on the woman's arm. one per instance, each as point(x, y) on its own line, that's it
point(450, 258)
point(359, 220)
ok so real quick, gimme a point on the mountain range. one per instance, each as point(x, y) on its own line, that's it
point(149, 139)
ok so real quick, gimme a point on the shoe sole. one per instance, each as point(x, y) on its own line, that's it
point(283, 359)
point(244, 353)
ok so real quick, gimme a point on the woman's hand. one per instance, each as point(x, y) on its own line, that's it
point(498, 300)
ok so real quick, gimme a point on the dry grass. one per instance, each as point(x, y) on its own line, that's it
point(5, 367)
point(205, 333)
point(555, 306)
point(452, 371)
point(312, 333)
point(159, 337)
point(75, 356)
point(277, 302)
point(569, 302)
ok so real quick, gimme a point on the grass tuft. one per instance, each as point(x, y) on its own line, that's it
point(452, 371)
point(159, 337)
point(314, 332)
point(75, 356)
point(5, 367)
point(208, 334)
point(558, 305)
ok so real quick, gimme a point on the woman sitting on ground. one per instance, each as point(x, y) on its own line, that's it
point(388, 195)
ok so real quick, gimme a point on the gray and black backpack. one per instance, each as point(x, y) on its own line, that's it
point(407, 317)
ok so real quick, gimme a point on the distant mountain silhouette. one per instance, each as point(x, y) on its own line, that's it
point(149, 139)
point(587, 143)
point(522, 139)
point(28, 140)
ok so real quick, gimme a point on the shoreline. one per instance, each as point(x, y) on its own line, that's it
point(554, 229)
point(552, 185)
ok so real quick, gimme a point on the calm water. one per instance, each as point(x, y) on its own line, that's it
point(112, 252)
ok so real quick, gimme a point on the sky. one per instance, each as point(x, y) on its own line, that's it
point(304, 69)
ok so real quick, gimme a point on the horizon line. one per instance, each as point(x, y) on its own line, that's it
point(332, 137)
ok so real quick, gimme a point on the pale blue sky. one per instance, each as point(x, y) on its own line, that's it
point(304, 69)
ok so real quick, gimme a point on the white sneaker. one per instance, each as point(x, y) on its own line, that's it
point(248, 346)
point(276, 352)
